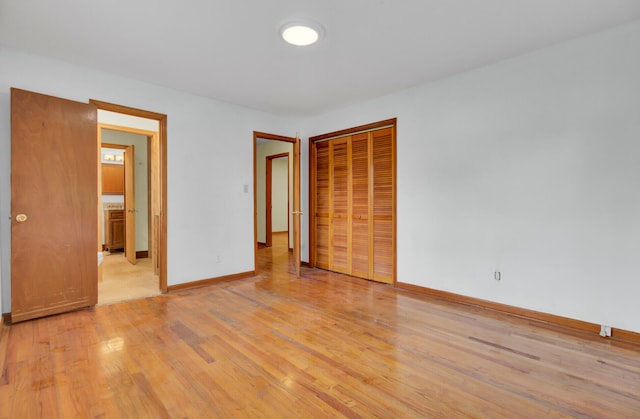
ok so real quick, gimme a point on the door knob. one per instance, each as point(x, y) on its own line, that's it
point(21, 218)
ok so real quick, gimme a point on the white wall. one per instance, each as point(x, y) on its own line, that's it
point(129, 121)
point(530, 166)
point(208, 213)
point(280, 194)
point(263, 150)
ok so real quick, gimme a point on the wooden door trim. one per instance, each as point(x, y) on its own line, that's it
point(355, 130)
point(109, 145)
point(297, 209)
point(265, 136)
point(312, 202)
point(391, 123)
point(162, 155)
point(275, 137)
point(129, 207)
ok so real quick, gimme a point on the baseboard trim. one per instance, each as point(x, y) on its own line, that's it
point(210, 281)
point(142, 254)
point(4, 341)
point(619, 334)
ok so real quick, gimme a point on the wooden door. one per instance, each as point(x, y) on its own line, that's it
point(338, 229)
point(297, 213)
point(54, 196)
point(360, 219)
point(352, 178)
point(383, 237)
point(112, 179)
point(129, 205)
point(322, 204)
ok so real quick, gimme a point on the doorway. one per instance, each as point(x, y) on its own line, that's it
point(148, 252)
point(270, 148)
point(127, 267)
point(278, 188)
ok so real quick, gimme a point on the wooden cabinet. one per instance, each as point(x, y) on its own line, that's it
point(114, 229)
point(112, 179)
point(354, 204)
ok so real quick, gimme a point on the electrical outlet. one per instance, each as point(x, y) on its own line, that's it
point(497, 275)
point(605, 331)
point(218, 259)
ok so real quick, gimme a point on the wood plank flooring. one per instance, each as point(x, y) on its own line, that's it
point(325, 345)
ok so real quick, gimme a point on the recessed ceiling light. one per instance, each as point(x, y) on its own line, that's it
point(301, 34)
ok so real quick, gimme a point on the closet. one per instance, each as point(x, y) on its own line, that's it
point(353, 202)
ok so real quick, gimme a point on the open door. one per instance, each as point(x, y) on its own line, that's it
point(297, 213)
point(129, 205)
point(295, 207)
point(54, 196)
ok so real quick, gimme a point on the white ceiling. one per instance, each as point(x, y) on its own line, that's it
point(230, 50)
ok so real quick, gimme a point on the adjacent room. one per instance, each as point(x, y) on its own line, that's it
point(320, 209)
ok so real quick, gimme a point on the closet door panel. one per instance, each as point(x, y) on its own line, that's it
point(355, 195)
point(383, 201)
point(323, 205)
point(340, 206)
point(360, 206)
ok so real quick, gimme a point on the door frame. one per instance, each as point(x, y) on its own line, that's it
point(264, 136)
point(269, 197)
point(161, 157)
point(102, 145)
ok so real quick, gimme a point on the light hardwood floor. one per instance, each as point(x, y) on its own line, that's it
point(325, 345)
point(122, 281)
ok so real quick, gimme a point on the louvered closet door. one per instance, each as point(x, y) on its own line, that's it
point(339, 251)
point(354, 204)
point(323, 208)
point(383, 201)
point(360, 208)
